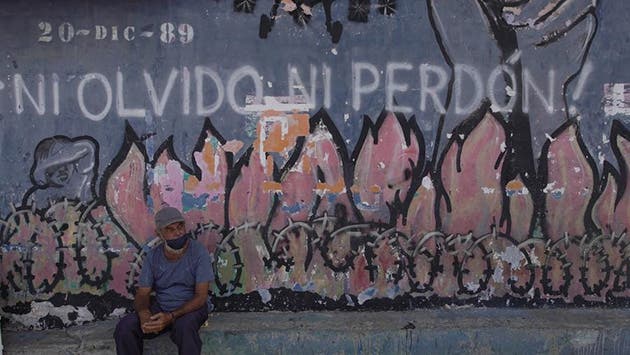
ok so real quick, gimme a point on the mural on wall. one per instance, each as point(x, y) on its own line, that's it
point(487, 209)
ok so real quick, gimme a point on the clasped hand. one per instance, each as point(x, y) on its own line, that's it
point(155, 323)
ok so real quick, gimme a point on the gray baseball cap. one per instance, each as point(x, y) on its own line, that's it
point(166, 216)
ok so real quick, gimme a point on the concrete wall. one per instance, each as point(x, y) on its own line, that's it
point(331, 154)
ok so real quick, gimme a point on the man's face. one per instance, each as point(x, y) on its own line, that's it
point(173, 230)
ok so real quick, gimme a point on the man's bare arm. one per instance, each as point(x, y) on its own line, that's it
point(142, 301)
point(198, 301)
point(142, 304)
point(159, 321)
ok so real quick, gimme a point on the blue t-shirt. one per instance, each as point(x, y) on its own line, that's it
point(174, 281)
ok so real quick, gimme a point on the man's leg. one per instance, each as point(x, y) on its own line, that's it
point(185, 331)
point(128, 335)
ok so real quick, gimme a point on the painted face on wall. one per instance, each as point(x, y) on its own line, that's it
point(60, 175)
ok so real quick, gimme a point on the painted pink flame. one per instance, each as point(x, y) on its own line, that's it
point(622, 212)
point(302, 186)
point(420, 216)
point(604, 208)
point(292, 244)
point(298, 190)
point(512, 271)
point(252, 195)
point(167, 186)
point(569, 187)
point(171, 183)
point(212, 162)
point(475, 191)
point(253, 251)
point(383, 168)
point(359, 279)
point(125, 196)
point(521, 209)
point(387, 259)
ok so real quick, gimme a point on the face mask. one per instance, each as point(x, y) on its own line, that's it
point(179, 242)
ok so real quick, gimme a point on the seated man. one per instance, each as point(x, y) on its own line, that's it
point(179, 271)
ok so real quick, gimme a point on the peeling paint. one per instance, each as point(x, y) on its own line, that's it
point(513, 256)
point(40, 310)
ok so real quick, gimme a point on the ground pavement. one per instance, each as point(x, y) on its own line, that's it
point(428, 331)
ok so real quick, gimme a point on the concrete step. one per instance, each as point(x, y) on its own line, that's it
point(428, 331)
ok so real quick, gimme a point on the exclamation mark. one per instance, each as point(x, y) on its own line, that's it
point(585, 72)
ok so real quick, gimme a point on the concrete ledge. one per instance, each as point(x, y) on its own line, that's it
point(443, 331)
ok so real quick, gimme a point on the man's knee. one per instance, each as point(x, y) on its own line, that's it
point(185, 325)
point(190, 322)
point(127, 326)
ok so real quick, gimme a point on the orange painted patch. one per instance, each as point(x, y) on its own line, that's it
point(375, 189)
point(300, 123)
point(276, 138)
point(271, 186)
point(191, 184)
point(337, 188)
point(208, 158)
point(270, 113)
point(275, 141)
point(515, 185)
point(306, 165)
